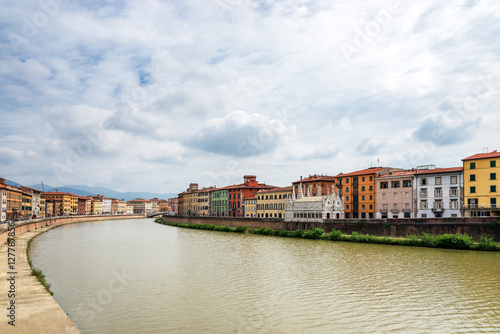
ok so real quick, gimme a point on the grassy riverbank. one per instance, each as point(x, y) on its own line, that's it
point(452, 241)
point(38, 273)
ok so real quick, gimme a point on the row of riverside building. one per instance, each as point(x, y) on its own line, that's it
point(470, 190)
point(19, 202)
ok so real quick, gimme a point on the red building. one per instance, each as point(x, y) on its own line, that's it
point(239, 192)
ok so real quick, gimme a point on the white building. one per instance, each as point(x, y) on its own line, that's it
point(141, 205)
point(314, 208)
point(106, 205)
point(439, 192)
point(3, 203)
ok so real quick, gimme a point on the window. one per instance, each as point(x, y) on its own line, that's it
point(423, 204)
point(362, 179)
point(453, 179)
point(275, 196)
point(346, 189)
point(472, 190)
point(346, 180)
point(371, 178)
point(493, 189)
point(370, 188)
point(454, 191)
point(423, 193)
point(453, 204)
point(362, 207)
point(493, 202)
point(407, 195)
point(371, 207)
point(362, 188)
point(347, 207)
point(438, 180)
point(472, 165)
point(493, 163)
point(395, 184)
point(395, 195)
point(371, 197)
point(424, 215)
point(395, 206)
point(493, 176)
point(383, 196)
point(363, 197)
point(347, 198)
point(472, 177)
point(384, 185)
point(438, 192)
point(454, 215)
point(438, 204)
point(423, 182)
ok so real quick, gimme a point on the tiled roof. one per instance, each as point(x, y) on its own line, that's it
point(366, 171)
point(493, 154)
point(277, 189)
point(440, 170)
point(315, 177)
point(399, 173)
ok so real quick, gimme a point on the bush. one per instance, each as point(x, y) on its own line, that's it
point(334, 235)
point(313, 234)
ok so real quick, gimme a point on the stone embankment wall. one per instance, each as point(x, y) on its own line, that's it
point(28, 225)
point(474, 227)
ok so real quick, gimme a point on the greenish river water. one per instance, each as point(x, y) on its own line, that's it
point(136, 276)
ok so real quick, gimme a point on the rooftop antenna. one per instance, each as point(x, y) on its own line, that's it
point(378, 162)
point(485, 150)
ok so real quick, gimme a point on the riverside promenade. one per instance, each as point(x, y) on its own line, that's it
point(24, 301)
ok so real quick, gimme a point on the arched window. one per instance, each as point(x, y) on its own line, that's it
point(267, 215)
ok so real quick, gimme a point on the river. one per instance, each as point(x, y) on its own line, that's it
point(136, 276)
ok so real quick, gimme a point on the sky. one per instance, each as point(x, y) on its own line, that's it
point(153, 95)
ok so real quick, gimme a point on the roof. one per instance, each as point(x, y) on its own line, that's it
point(277, 189)
point(400, 173)
point(315, 177)
point(439, 170)
point(493, 154)
point(253, 197)
point(371, 170)
point(58, 193)
point(242, 185)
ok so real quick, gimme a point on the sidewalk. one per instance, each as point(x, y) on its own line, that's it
point(35, 309)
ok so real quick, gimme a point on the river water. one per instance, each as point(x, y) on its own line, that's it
point(136, 276)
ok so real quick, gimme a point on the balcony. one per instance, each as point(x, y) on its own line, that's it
point(407, 210)
point(483, 206)
point(437, 210)
point(395, 211)
point(383, 210)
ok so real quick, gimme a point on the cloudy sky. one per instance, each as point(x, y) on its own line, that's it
point(152, 95)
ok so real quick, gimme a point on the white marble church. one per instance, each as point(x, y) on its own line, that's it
point(314, 208)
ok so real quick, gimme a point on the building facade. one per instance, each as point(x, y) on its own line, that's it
point(315, 185)
point(314, 208)
point(482, 184)
point(439, 192)
point(204, 199)
point(238, 193)
point(358, 191)
point(271, 202)
point(251, 207)
point(219, 202)
point(396, 194)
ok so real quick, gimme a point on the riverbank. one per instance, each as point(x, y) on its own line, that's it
point(26, 305)
point(450, 241)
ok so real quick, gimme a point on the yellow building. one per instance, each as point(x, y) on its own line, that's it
point(68, 202)
point(251, 207)
point(271, 203)
point(482, 185)
point(96, 207)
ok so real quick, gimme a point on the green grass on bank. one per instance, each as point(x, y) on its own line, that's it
point(38, 273)
point(451, 241)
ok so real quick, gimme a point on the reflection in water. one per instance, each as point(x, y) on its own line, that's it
point(135, 276)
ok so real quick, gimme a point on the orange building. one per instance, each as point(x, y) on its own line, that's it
point(315, 185)
point(359, 191)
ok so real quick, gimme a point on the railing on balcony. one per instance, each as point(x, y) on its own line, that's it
point(383, 210)
point(395, 210)
point(437, 209)
point(407, 210)
point(482, 206)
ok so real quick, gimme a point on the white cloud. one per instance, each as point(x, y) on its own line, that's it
point(164, 84)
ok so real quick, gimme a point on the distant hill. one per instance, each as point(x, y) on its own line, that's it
point(89, 190)
point(12, 183)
